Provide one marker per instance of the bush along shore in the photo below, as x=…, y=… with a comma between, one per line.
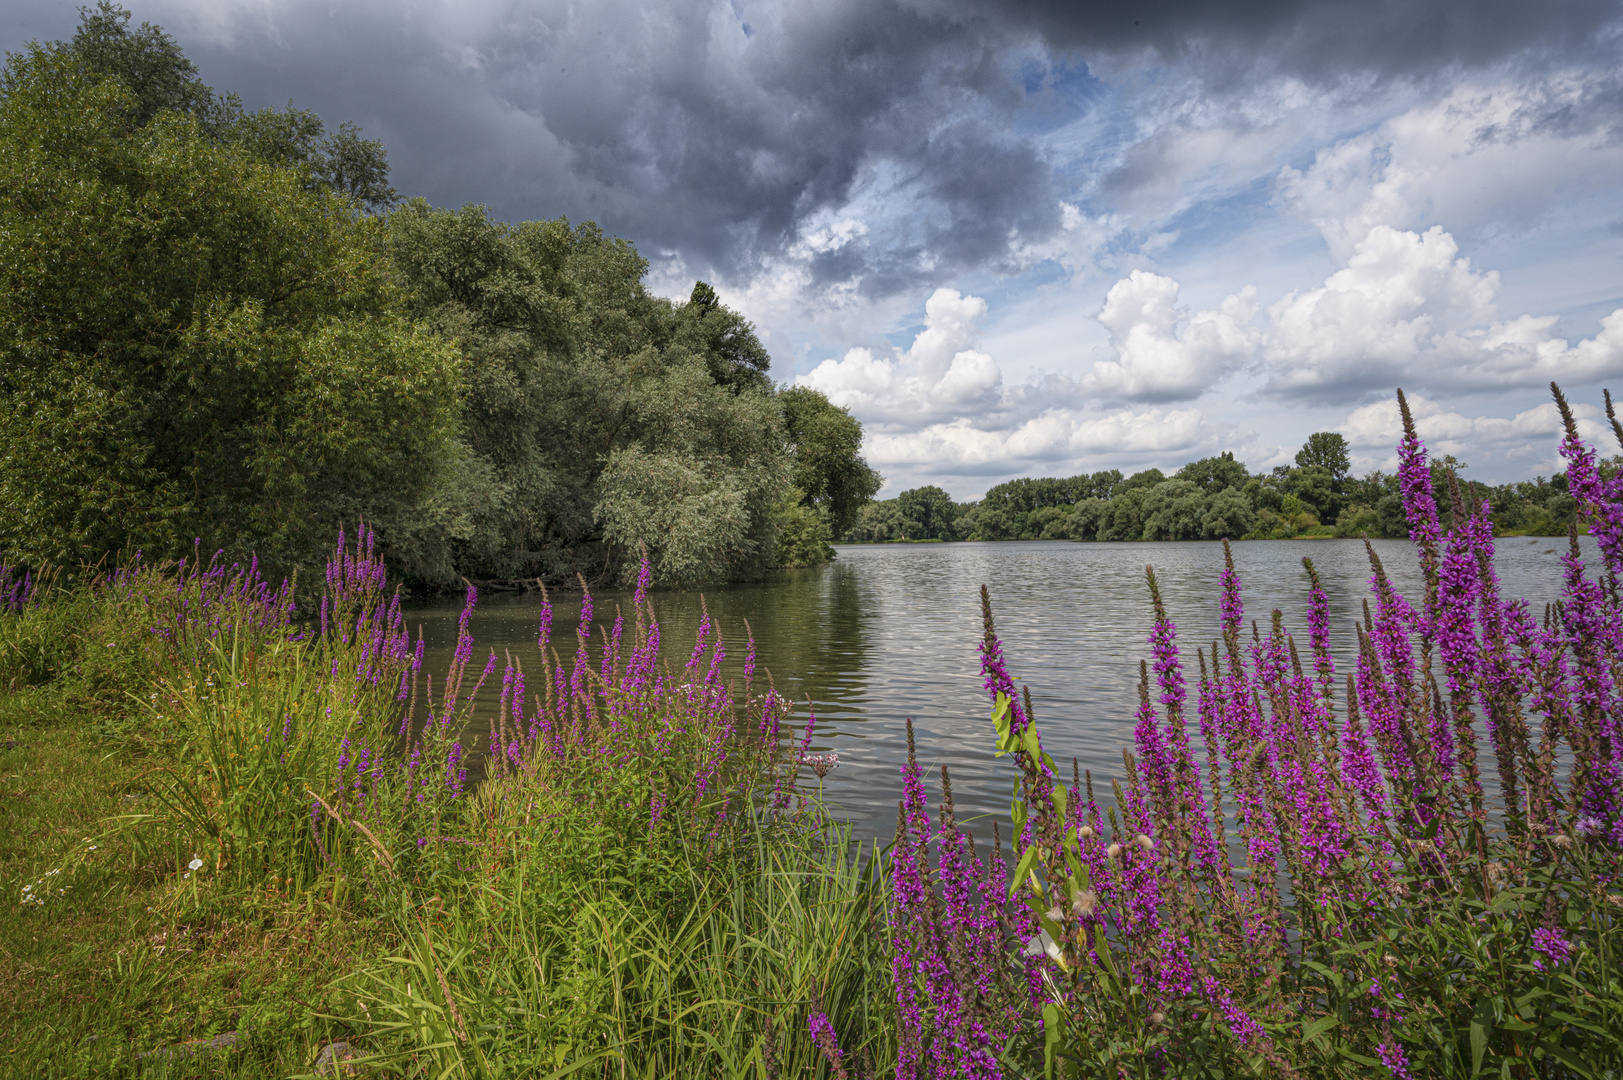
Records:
x=243, y=842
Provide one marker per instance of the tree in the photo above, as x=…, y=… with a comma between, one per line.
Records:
x=1085, y=519
x=1124, y=518
x=727, y=341
x=1327, y=450
x=151, y=66
x=1229, y=514
x=1315, y=486
x=602, y=417
x=928, y=513
x=877, y=522
x=829, y=470
x=1173, y=510
x=1146, y=479
x=1213, y=474
x=192, y=342
x=147, y=61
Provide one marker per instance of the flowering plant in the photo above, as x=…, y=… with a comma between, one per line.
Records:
x=1306, y=873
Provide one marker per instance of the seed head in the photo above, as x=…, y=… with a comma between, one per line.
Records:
x=1085, y=904
x=1114, y=851
x=1145, y=842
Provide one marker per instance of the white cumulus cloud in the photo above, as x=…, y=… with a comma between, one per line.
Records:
x=1408, y=308
x=1529, y=437
x=940, y=375
x=1162, y=352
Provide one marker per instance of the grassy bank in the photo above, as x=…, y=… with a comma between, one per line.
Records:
x=223, y=822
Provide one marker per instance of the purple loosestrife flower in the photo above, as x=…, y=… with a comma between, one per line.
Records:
x=822, y=1033
x=1230, y=608
x=1553, y=947
x=1419, y=504
x=699, y=641
x=910, y=897
x=1591, y=631
x=1318, y=628
x=1359, y=766
x=1246, y=1031
x=543, y=632
x=995, y=673
x=1391, y=1054
x=718, y=653
x=1600, y=499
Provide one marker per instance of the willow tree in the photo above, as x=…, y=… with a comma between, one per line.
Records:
x=599, y=419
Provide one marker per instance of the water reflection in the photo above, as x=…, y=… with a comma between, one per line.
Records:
x=888, y=632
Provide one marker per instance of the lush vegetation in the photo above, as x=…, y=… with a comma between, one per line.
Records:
x=1209, y=499
x=229, y=822
x=277, y=834
x=1306, y=872
x=223, y=324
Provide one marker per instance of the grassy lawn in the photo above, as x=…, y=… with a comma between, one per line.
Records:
x=123, y=957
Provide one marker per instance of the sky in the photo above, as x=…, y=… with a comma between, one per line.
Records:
x=1039, y=238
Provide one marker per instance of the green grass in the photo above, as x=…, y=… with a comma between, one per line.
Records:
x=127, y=958
x=540, y=924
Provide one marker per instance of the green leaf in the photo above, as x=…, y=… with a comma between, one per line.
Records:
x=1570, y=1060
x=1034, y=749
x=1318, y=1027
x=1061, y=797
x=1481, y=1031
x=1023, y=868
x=1051, y=1036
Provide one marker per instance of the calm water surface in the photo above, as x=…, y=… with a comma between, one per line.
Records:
x=888, y=632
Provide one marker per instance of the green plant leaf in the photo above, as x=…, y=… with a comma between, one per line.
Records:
x=1318, y=1027
x=1481, y=1031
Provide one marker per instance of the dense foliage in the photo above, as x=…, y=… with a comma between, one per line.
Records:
x=1209, y=499
x=612, y=867
x=222, y=324
x=193, y=342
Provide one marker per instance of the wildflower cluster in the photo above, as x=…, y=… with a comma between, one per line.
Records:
x=1293, y=880
x=16, y=589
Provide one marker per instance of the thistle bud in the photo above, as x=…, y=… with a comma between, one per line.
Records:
x=1145, y=842
x=1114, y=851
x=1086, y=833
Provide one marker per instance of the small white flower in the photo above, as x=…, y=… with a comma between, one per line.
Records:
x=195, y=864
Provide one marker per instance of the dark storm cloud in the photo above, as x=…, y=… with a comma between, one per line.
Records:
x=722, y=132
x=1321, y=39
x=714, y=132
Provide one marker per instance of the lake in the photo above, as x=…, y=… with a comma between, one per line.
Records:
x=890, y=631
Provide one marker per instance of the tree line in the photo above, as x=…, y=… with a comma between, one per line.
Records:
x=224, y=326
x=1207, y=499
